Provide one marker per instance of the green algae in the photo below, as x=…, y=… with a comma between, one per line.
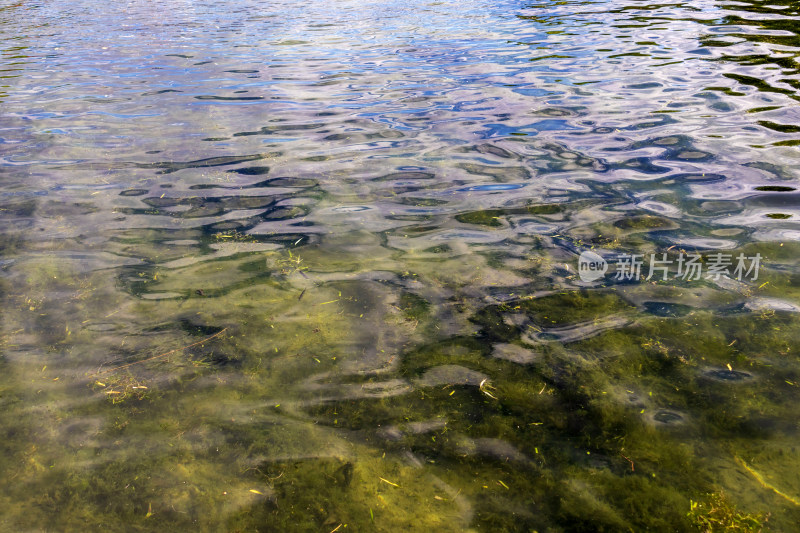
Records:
x=413, y=306
x=616, y=429
x=570, y=307
x=717, y=513
x=547, y=209
x=485, y=218
x=644, y=222
x=388, y=380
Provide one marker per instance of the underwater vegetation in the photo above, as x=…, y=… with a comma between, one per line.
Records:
x=578, y=410
x=315, y=267
x=717, y=514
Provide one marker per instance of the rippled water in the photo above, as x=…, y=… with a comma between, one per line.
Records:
x=273, y=266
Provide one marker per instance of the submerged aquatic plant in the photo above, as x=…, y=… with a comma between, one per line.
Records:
x=717, y=513
x=120, y=387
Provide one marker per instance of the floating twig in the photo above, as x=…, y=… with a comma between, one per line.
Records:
x=631, y=462
x=483, y=388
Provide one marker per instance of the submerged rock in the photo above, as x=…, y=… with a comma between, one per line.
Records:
x=451, y=375
x=774, y=304
x=667, y=309
x=666, y=417
x=489, y=447
x=727, y=375
x=514, y=353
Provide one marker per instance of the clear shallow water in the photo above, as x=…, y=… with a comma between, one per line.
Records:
x=280, y=267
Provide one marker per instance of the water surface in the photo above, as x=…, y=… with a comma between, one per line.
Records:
x=280, y=266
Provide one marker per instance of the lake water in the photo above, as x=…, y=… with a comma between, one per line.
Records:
x=314, y=266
